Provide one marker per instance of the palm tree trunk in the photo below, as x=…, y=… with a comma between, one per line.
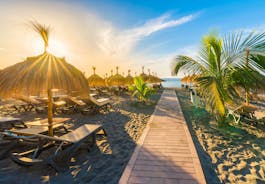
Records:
x=246, y=88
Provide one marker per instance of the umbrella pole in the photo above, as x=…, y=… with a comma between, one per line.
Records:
x=50, y=112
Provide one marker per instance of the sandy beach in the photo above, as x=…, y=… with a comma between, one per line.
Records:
x=234, y=156
x=124, y=124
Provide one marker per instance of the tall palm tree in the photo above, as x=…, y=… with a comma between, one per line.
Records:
x=218, y=61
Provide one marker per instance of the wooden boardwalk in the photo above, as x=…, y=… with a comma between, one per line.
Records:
x=165, y=152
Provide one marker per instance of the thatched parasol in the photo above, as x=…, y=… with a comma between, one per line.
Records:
x=95, y=80
x=191, y=79
x=153, y=78
x=184, y=79
x=42, y=72
x=107, y=80
x=117, y=79
x=129, y=78
x=143, y=75
x=158, y=80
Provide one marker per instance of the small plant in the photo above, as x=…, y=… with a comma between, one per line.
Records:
x=141, y=90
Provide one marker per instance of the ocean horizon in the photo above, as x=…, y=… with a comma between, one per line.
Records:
x=171, y=82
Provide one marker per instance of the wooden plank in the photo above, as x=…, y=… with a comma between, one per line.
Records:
x=165, y=153
x=44, y=122
x=8, y=119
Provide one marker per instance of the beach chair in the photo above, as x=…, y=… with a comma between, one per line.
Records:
x=235, y=113
x=11, y=122
x=18, y=105
x=59, y=106
x=13, y=137
x=66, y=146
x=31, y=103
x=96, y=105
x=73, y=105
x=102, y=92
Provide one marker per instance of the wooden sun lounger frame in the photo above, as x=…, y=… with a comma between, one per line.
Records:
x=31, y=103
x=11, y=138
x=75, y=105
x=13, y=122
x=67, y=145
x=97, y=104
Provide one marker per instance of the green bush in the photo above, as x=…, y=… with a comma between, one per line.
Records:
x=141, y=90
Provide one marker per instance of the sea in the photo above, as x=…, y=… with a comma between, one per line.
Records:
x=171, y=82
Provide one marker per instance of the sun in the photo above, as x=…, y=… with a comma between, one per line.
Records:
x=55, y=47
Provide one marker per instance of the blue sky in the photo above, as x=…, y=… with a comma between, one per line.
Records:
x=224, y=16
x=134, y=33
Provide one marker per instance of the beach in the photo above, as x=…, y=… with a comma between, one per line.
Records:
x=235, y=155
x=124, y=124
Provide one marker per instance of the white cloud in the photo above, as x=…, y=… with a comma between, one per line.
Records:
x=121, y=42
x=246, y=30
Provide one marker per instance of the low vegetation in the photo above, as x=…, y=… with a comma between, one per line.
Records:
x=141, y=90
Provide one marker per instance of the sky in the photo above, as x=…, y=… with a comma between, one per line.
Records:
x=125, y=33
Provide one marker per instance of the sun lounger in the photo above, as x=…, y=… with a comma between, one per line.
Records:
x=18, y=106
x=15, y=136
x=92, y=94
x=73, y=105
x=7, y=121
x=233, y=112
x=87, y=106
x=59, y=105
x=66, y=146
x=31, y=103
x=97, y=104
x=100, y=101
x=44, y=122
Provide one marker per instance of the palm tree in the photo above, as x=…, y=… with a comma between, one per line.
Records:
x=217, y=65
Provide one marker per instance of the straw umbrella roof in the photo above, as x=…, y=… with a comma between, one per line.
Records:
x=158, y=80
x=45, y=71
x=143, y=75
x=190, y=78
x=117, y=79
x=107, y=80
x=184, y=79
x=153, y=78
x=95, y=80
x=129, y=78
x=32, y=76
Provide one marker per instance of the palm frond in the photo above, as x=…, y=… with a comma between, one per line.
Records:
x=235, y=45
x=185, y=62
x=213, y=94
